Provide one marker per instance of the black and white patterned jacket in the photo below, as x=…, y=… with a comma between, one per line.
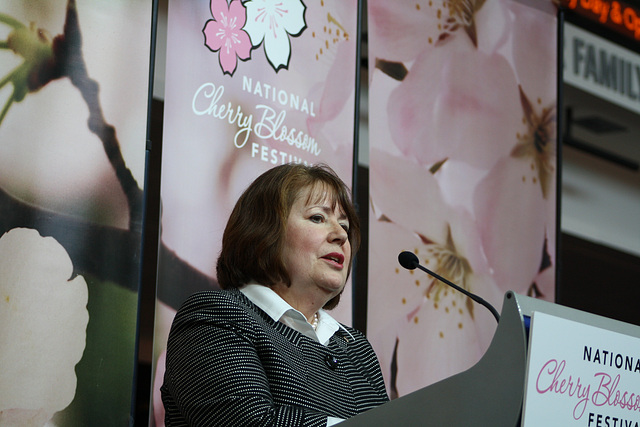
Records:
x=229, y=364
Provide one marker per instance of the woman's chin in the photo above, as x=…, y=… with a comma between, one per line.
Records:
x=333, y=288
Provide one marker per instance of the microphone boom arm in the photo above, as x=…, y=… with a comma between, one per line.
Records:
x=410, y=261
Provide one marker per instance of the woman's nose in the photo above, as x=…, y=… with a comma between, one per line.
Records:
x=338, y=233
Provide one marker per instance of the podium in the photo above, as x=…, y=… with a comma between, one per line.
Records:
x=490, y=393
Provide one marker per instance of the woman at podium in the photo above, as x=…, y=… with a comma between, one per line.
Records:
x=264, y=351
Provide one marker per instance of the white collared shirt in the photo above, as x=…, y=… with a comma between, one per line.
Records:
x=281, y=311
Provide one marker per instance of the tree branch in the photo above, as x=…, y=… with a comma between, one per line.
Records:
x=108, y=253
x=68, y=61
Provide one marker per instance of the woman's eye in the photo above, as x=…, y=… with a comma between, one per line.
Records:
x=345, y=227
x=317, y=218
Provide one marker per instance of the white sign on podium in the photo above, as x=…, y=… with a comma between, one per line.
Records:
x=580, y=375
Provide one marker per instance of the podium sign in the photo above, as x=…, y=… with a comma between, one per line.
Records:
x=578, y=369
x=580, y=375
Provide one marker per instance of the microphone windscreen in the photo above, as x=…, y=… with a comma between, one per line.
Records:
x=408, y=260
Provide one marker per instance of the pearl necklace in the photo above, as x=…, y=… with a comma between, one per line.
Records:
x=314, y=321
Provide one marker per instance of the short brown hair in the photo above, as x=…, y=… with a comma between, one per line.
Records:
x=253, y=239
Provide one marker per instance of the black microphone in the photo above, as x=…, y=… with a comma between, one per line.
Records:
x=409, y=260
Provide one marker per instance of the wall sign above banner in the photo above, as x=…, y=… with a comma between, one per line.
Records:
x=601, y=68
x=616, y=15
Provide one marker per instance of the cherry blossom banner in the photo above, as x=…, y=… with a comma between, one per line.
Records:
x=463, y=121
x=249, y=85
x=73, y=111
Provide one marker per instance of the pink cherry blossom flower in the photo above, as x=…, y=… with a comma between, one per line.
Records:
x=332, y=49
x=488, y=109
x=400, y=31
x=271, y=22
x=456, y=102
x=469, y=132
x=412, y=316
x=224, y=33
x=515, y=203
x=533, y=52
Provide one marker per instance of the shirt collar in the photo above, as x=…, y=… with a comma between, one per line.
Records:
x=281, y=311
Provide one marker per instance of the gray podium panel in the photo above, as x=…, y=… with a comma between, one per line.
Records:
x=491, y=392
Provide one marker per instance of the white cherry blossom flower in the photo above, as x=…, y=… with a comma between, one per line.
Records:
x=43, y=322
x=272, y=22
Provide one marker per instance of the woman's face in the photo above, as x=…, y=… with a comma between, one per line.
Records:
x=317, y=252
